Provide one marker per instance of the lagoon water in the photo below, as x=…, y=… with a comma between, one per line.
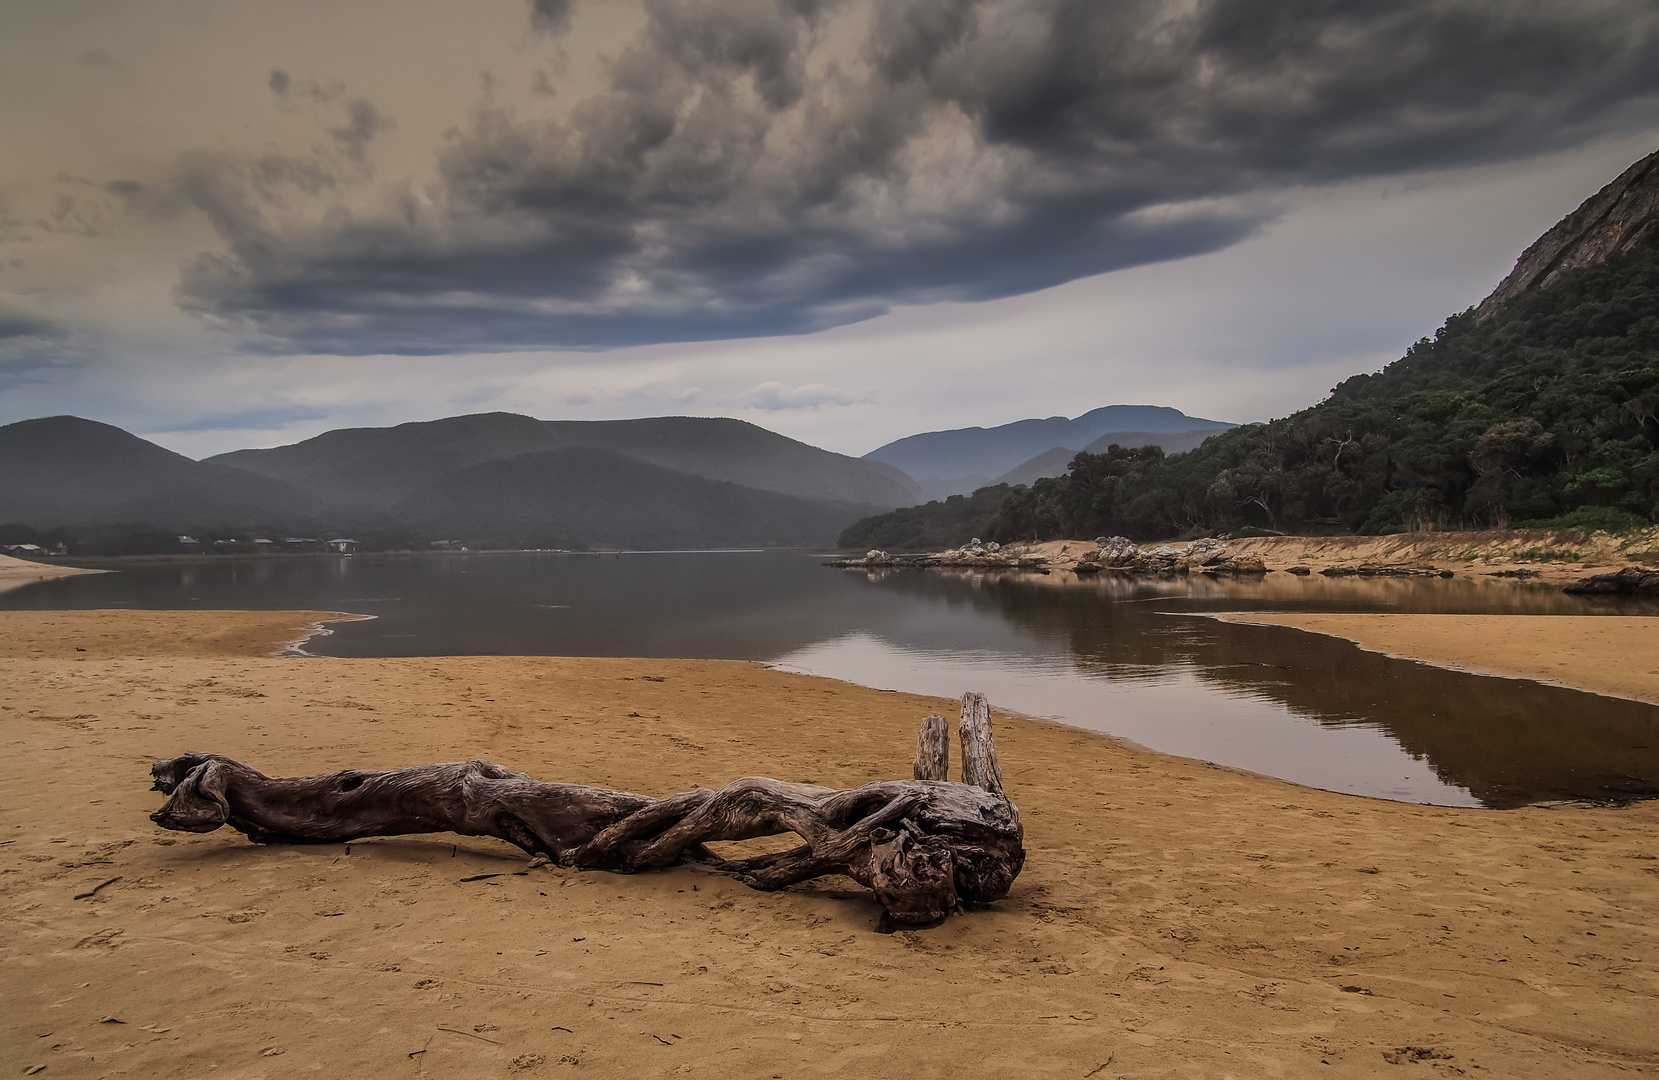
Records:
x=1138, y=660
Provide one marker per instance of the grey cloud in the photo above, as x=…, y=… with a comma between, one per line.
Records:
x=745, y=173
x=550, y=16
x=778, y=397
x=291, y=93
x=363, y=123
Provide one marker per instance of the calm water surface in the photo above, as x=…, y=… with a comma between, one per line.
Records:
x=1134, y=659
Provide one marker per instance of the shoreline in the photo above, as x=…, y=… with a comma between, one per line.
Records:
x=15, y=573
x=1546, y=557
x=296, y=647
x=1172, y=917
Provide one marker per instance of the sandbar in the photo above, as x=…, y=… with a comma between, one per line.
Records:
x=16, y=572
x=1174, y=918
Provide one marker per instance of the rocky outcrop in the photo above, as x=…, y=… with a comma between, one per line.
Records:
x=1621, y=216
x=1112, y=553
x=1631, y=581
x=1385, y=571
x=1115, y=550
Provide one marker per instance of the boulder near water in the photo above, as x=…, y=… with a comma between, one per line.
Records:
x=1631, y=581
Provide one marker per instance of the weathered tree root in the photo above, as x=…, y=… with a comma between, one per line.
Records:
x=925, y=846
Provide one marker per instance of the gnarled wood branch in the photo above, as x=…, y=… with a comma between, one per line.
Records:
x=924, y=846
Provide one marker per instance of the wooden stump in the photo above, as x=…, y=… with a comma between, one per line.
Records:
x=924, y=846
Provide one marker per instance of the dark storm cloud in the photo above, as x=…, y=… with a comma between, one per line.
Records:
x=740, y=176
x=16, y=325
x=550, y=16
x=29, y=345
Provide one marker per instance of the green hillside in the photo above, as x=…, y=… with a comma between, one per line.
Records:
x=932, y=526
x=1544, y=411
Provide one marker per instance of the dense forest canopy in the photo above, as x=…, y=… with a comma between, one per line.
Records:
x=932, y=526
x=1544, y=413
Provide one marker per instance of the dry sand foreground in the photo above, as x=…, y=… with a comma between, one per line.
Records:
x=1174, y=919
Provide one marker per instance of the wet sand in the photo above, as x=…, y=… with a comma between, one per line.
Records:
x=1604, y=654
x=1174, y=918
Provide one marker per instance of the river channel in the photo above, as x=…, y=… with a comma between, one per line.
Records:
x=1134, y=659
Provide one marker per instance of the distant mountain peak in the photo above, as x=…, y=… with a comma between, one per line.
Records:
x=961, y=459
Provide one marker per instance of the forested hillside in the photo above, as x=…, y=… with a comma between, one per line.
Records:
x=1538, y=408
x=1545, y=410
x=932, y=526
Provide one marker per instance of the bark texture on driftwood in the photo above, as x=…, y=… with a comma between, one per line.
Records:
x=933, y=749
x=924, y=846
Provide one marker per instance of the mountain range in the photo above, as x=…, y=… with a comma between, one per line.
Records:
x=380, y=467
x=961, y=460
x=62, y=470
x=494, y=479
x=505, y=480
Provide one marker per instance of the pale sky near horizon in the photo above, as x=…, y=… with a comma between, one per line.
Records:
x=228, y=225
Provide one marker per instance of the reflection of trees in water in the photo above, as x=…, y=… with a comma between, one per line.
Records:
x=1508, y=742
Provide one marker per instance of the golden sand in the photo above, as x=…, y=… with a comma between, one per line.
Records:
x=1173, y=919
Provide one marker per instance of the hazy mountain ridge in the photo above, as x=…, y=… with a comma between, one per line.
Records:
x=491, y=479
x=963, y=459
x=584, y=496
x=379, y=467
x=63, y=470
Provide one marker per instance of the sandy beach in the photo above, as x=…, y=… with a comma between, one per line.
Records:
x=1173, y=919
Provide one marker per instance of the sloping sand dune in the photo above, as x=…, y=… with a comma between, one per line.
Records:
x=1174, y=919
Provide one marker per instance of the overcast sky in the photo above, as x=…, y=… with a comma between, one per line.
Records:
x=228, y=225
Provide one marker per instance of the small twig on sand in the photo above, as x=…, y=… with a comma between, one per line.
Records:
x=468, y=1034
x=94, y=890
x=1097, y=1068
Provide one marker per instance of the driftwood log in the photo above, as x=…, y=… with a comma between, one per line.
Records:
x=924, y=846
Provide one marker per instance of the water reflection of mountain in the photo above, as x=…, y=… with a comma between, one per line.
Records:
x=1509, y=742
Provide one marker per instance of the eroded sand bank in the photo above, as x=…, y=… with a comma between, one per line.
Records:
x=1174, y=919
x=15, y=572
x=1604, y=654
